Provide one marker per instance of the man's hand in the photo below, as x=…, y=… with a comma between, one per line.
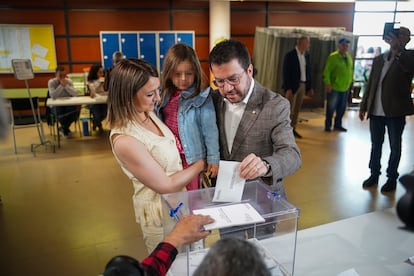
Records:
x=310, y=92
x=252, y=167
x=328, y=88
x=188, y=229
x=289, y=95
x=63, y=81
x=361, y=115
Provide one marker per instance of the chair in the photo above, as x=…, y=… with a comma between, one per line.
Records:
x=22, y=116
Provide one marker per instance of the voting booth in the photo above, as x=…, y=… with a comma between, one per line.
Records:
x=273, y=230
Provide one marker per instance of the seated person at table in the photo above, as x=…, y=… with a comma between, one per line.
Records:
x=60, y=87
x=96, y=88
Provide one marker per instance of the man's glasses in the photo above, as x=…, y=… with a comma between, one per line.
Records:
x=233, y=80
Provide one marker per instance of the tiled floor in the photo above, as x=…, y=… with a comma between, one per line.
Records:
x=67, y=213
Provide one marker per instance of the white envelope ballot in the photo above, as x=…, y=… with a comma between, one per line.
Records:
x=229, y=185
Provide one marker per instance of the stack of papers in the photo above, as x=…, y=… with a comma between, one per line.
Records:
x=230, y=215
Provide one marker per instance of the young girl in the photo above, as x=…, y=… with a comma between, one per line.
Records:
x=188, y=111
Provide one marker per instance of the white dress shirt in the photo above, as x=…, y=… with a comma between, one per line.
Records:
x=302, y=65
x=233, y=115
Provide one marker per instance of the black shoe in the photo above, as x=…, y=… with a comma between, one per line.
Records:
x=297, y=135
x=340, y=129
x=65, y=131
x=370, y=182
x=327, y=129
x=389, y=186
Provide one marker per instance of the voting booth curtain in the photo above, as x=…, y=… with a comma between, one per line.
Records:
x=272, y=43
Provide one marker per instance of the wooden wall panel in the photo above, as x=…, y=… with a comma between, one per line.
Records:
x=202, y=47
x=187, y=4
x=37, y=16
x=31, y=4
x=252, y=6
x=311, y=20
x=137, y=4
x=79, y=68
x=62, y=53
x=310, y=6
x=86, y=22
x=197, y=21
x=85, y=49
x=40, y=80
x=206, y=70
x=248, y=40
x=244, y=22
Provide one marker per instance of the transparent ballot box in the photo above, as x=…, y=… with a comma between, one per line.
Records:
x=275, y=237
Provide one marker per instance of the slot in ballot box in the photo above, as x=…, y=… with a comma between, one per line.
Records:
x=275, y=236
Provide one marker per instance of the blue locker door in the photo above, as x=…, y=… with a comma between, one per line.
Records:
x=129, y=43
x=187, y=38
x=166, y=40
x=109, y=45
x=147, y=48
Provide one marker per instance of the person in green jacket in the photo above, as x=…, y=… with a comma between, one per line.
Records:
x=338, y=77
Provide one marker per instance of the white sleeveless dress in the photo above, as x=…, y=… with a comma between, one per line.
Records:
x=147, y=203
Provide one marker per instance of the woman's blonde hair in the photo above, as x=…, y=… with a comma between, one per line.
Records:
x=127, y=78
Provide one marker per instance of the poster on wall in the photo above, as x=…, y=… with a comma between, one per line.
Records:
x=34, y=42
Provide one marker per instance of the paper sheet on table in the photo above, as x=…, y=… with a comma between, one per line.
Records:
x=410, y=260
x=229, y=185
x=349, y=272
x=230, y=215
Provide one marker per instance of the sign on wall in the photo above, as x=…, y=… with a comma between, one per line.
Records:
x=34, y=42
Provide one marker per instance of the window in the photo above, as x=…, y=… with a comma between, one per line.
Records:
x=369, y=20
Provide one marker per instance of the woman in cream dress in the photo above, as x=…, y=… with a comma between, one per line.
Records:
x=143, y=146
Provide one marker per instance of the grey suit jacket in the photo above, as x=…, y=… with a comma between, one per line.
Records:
x=396, y=86
x=265, y=131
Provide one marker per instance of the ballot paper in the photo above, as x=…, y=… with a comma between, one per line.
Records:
x=230, y=215
x=229, y=185
x=410, y=260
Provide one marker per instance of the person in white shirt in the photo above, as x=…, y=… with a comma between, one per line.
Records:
x=297, y=78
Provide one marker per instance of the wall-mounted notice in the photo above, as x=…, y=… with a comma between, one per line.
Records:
x=34, y=42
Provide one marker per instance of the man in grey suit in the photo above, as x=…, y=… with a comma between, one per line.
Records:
x=386, y=102
x=254, y=122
